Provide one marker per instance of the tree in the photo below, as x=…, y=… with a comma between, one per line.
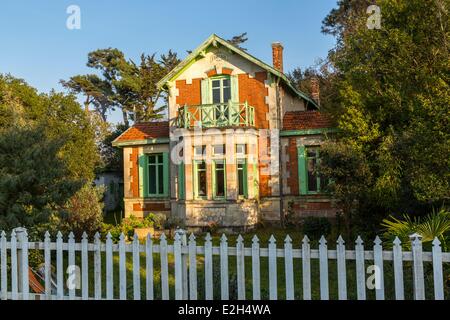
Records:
x=238, y=40
x=34, y=179
x=59, y=115
x=124, y=84
x=392, y=100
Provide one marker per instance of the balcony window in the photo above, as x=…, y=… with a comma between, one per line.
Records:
x=221, y=90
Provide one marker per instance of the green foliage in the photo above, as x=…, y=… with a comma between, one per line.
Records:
x=34, y=179
x=59, y=116
x=128, y=225
x=392, y=92
x=85, y=211
x=434, y=225
x=315, y=227
x=123, y=83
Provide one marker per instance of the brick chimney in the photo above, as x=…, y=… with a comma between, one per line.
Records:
x=315, y=90
x=277, y=56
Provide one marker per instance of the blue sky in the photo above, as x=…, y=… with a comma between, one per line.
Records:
x=37, y=46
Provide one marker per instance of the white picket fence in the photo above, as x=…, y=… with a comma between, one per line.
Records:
x=14, y=271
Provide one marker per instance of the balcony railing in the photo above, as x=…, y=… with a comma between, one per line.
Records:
x=216, y=115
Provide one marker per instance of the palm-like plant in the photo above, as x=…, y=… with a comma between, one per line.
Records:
x=435, y=225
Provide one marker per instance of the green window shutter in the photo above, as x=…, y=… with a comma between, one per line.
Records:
x=195, y=178
x=234, y=89
x=181, y=181
x=206, y=91
x=166, y=173
x=302, y=172
x=143, y=175
x=245, y=180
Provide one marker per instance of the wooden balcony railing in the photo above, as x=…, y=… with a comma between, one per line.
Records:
x=216, y=115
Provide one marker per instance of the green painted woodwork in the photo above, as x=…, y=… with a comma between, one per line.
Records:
x=181, y=181
x=195, y=179
x=206, y=91
x=216, y=115
x=287, y=133
x=140, y=142
x=143, y=175
x=245, y=176
x=214, y=179
x=166, y=180
x=302, y=170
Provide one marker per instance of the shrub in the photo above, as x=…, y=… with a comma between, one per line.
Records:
x=315, y=227
x=128, y=225
x=85, y=211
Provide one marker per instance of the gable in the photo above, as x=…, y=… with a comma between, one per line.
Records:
x=232, y=52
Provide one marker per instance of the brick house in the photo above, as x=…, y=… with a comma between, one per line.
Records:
x=240, y=144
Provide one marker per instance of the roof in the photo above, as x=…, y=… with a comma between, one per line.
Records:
x=215, y=40
x=143, y=132
x=299, y=120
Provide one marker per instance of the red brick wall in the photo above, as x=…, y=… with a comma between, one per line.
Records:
x=292, y=167
x=134, y=172
x=253, y=91
x=189, y=94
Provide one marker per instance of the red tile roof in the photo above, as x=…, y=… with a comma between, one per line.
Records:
x=298, y=120
x=145, y=130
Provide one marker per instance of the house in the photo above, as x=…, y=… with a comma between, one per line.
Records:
x=240, y=145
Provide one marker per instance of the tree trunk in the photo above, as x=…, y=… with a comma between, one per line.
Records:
x=125, y=118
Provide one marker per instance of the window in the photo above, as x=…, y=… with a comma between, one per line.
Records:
x=242, y=177
x=221, y=90
x=155, y=174
x=241, y=149
x=219, y=179
x=308, y=160
x=200, y=182
x=199, y=151
x=218, y=149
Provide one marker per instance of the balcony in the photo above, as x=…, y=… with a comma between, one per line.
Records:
x=216, y=115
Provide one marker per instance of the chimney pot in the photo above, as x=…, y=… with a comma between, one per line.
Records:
x=277, y=56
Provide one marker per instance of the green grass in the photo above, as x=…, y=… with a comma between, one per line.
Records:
x=263, y=235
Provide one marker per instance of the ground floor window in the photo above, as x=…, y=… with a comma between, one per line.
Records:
x=242, y=177
x=219, y=183
x=200, y=182
x=309, y=177
x=154, y=175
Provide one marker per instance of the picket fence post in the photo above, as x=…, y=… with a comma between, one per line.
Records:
x=84, y=267
x=59, y=267
x=136, y=269
x=149, y=295
x=224, y=280
x=256, y=280
x=164, y=267
x=240, y=268
x=47, y=266
x=360, y=270
x=398, y=269
x=4, y=269
x=378, y=260
x=192, y=268
x=437, y=270
x=14, y=269
x=178, y=267
x=208, y=268
x=273, y=288
x=71, y=265
x=418, y=278
x=122, y=268
x=323, y=262
x=109, y=268
x=341, y=267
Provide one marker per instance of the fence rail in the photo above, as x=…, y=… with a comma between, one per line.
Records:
x=179, y=277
